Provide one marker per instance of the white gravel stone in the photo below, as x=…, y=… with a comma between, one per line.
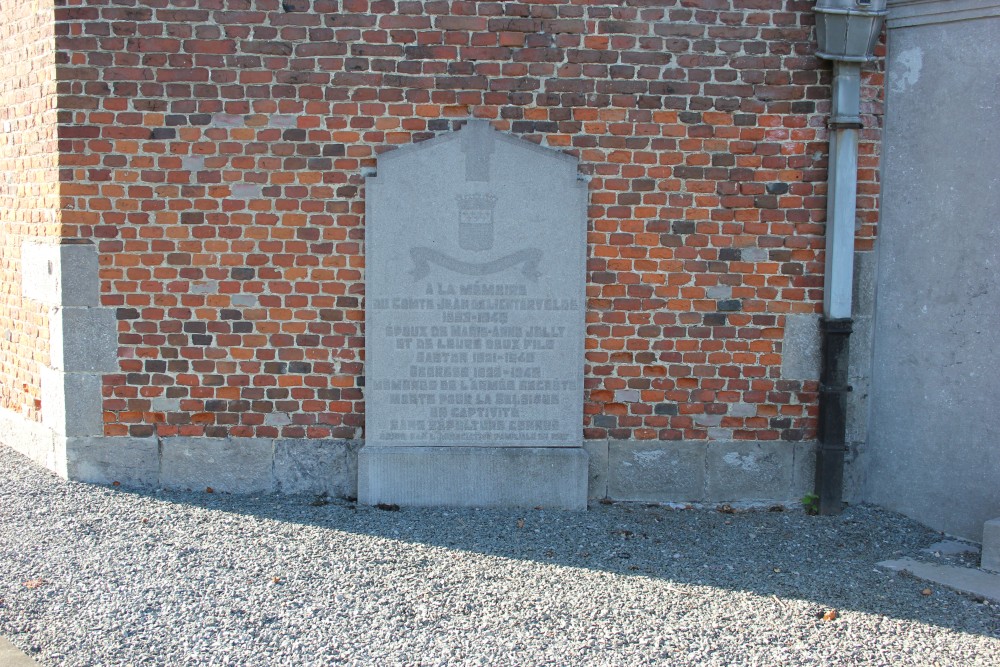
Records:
x=212, y=579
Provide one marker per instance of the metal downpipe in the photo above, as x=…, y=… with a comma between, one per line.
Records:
x=845, y=124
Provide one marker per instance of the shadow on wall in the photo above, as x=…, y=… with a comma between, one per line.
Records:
x=829, y=561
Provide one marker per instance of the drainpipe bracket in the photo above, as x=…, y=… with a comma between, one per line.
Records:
x=845, y=123
x=837, y=324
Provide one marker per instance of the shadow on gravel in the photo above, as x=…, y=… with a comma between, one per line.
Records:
x=826, y=561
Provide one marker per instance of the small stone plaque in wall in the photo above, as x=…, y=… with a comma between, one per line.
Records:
x=475, y=270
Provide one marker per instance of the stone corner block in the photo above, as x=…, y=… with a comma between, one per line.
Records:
x=552, y=477
x=749, y=470
x=800, y=348
x=72, y=402
x=990, y=559
x=656, y=471
x=316, y=466
x=60, y=274
x=597, y=482
x=228, y=465
x=132, y=462
x=32, y=439
x=83, y=340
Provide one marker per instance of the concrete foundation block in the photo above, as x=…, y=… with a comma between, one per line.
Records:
x=71, y=403
x=60, y=275
x=83, y=340
x=656, y=471
x=316, y=466
x=132, y=462
x=747, y=471
x=597, y=481
x=550, y=477
x=229, y=465
x=990, y=559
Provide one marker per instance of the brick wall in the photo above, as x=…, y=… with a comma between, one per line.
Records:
x=214, y=150
x=29, y=190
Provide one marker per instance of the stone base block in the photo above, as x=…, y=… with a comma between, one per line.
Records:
x=597, y=486
x=656, y=471
x=132, y=462
x=228, y=465
x=474, y=476
x=991, y=546
x=318, y=467
x=718, y=471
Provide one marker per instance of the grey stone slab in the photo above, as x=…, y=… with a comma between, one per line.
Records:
x=164, y=404
x=204, y=287
x=60, y=274
x=991, y=545
x=656, y=471
x=719, y=433
x=193, y=162
x=283, y=120
x=83, y=340
x=719, y=292
x=627, y=396
x=551, y=477
x=742, y=410
x=246, y=190
x=933, y=451
x=800, y=348
x=316, y=466
x=244, y=300
x=864, y=283
x=597, y=484
x=277, y=419
x=132, y=462
x=952, y=548
x=964, y=579
x=803, y=469
x=748, y=470
x=230, y=465
x=11, y=656
x=228, y=120
x=707, y=420
x=475, y=274
x=859, y=376
x=72, y=402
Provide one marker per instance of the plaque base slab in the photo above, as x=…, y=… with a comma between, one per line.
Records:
x=550, y=477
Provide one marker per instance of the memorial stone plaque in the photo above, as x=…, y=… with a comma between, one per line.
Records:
x=474, y=323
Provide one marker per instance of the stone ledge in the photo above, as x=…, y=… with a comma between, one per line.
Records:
x=906, y=13
x=552, y=477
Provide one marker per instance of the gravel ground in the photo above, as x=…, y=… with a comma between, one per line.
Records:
x=98, y=576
